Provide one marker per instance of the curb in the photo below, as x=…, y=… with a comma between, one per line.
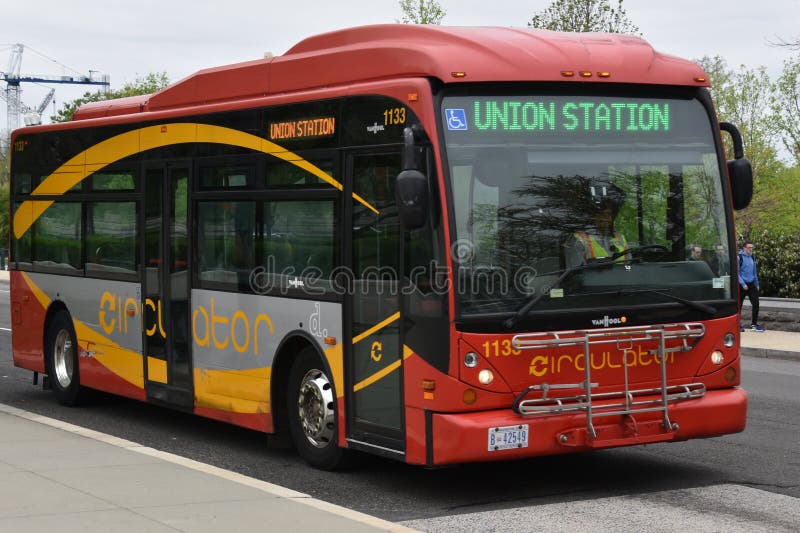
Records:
x=264, y=486
x=770, y=353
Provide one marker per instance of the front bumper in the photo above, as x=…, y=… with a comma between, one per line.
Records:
x=460, y=438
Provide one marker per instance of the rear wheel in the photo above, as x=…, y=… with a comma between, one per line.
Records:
x=311, y=404
x=61, y=351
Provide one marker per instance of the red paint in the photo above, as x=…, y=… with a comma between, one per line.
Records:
x=27, y=323
x=463, y=437
x=96, y=376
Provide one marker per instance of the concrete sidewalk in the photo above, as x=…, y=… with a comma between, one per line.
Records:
x=58, y=477
x=773, y=344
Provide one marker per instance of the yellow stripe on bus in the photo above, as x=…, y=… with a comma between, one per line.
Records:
x=156, y=369
x=133, y=142
x=237, y=391
x=376, y=327
x=380, y=374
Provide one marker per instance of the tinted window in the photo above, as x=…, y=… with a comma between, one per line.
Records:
x=113, y=181
x=284, y=174
x=299, y=237
x=111, y=237
x=57, y=237
x=226, y=242
x=226, y=177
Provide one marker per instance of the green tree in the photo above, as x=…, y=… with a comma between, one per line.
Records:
x=744, y=97
x=4, y=214
x=786, y=107
x=584, y=16
x=4, y=197
x=148, y=84
x=4, y=163
x=421, y=12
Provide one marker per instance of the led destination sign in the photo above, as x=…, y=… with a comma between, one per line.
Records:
x=303, y=128
x=575, y=115
x=566, y=115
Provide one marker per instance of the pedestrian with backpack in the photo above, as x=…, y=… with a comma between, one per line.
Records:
x=748, y=283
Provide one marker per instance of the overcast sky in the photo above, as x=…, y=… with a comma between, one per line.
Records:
x=130, y=39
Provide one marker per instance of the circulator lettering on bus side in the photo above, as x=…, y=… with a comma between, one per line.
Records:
x=240, y=331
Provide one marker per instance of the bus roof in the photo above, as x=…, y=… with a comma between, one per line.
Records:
x=450, y=54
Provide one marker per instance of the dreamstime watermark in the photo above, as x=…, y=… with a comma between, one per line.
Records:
x=431, y=279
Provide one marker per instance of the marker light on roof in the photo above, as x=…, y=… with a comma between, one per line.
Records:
x=567, y=73
x=585, y=74
x=603, y=74
x=459, y=74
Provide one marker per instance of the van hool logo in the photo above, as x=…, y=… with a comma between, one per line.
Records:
x=607, y=321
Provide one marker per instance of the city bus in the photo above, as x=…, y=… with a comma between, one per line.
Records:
x=372, y=243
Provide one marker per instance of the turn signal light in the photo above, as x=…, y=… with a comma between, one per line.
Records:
x=730, y=374
x=428, y=384
x=469, y=396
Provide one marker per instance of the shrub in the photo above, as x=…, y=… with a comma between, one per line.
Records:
x=778, y=259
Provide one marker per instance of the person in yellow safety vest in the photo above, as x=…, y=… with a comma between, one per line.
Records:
x=600, y=240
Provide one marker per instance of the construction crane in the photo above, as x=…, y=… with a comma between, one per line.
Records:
x=13, y=79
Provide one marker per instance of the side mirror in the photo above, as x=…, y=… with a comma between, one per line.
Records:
x=412, y=198
x=739, y=170
x=741, y=174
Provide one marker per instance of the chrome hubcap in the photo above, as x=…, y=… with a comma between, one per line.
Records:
x=63, y=358
x=316, y=408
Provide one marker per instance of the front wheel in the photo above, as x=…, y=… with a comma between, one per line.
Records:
x=61, y=352
x=312, y=412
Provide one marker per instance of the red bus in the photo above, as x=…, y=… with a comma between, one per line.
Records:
x=435, y=244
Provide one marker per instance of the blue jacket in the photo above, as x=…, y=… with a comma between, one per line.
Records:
x=747, y=269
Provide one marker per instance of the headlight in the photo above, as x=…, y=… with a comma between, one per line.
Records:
x=485, y=376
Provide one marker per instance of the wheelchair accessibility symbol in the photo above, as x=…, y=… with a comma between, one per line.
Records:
x=456, y=119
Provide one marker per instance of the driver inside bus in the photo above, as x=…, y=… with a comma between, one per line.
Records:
x=603, y=201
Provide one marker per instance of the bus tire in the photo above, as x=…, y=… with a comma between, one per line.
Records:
x=311, y=406
x=61, y=358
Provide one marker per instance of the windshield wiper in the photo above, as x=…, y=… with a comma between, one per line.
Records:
x=697, y=306
x=604, y=262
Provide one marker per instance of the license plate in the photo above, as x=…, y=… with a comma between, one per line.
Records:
x=508, y=437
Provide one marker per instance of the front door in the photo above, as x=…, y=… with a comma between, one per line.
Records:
x=168, y=369
x=375, y=371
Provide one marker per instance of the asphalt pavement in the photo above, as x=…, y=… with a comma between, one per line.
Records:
x=55, y=475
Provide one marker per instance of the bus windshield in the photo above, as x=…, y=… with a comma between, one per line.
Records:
x=545, y=185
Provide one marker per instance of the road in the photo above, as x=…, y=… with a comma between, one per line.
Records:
x=744, y=482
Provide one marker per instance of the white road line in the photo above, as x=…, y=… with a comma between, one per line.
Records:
x=5, y=329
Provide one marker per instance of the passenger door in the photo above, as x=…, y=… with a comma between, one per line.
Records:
x=375, y=358
x=167, y=361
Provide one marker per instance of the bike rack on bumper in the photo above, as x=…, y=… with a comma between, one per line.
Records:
x=631, y=401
